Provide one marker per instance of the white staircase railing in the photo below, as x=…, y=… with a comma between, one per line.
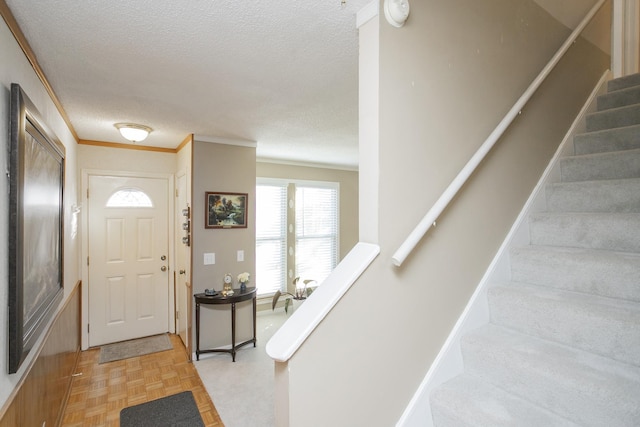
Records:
x=432, y=215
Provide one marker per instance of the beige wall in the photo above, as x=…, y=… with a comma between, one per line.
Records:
x=15, y=68
x=348, y=181
x=107, y=158
x=446, y=79
x=571, y=12
x=224, y=168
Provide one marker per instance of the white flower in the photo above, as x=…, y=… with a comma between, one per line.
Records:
x=243, y=277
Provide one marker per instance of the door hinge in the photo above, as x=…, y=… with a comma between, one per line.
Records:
x=177, y=315
x=87, y=193
x=176, y=192
x=87, y=328
x=87, y=260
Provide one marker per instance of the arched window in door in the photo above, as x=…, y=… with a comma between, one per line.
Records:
x=129, y=198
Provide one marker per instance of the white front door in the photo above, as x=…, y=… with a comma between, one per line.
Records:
x=128, y=258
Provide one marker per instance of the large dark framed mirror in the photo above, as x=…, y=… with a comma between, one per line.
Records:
x=36, y=218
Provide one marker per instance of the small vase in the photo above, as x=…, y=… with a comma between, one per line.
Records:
x=243, y=287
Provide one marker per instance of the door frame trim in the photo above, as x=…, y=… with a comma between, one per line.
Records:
x=177, y=231
x=84, y=253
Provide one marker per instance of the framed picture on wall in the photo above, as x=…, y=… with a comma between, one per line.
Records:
x=36, y=215
x=225, y=210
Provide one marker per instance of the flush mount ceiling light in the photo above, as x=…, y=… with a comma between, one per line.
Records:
x=133, y=132
x=396, y=12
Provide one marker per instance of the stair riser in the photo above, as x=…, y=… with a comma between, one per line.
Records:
x=594, y=196
x=615, y=118
x=626, y=138
x=609, y=331
x=581, y=395
x=623, y=82
x=619, y=232
x=616, y=165
x=618, y=99
x=608, y=274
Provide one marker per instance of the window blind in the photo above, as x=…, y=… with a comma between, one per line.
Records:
x=316, y=231
x=271, y=244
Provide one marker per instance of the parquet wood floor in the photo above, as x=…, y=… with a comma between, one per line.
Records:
x=101, y=391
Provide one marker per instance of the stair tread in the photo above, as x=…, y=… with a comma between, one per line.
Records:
x=623, y=82
x=616, y=139
x=605, y=154
x=606, y=273
x=587, y=214
x=619, y=98
x=581, y=386
x=601, y=325
x=601, y=166
x=595, y=304
x=619, y=195
x=595, y=230
x=597, y=182
x=613, y=118
x=466, y=400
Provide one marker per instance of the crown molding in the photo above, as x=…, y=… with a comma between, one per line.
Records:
x=226, y=141
x=306, y=164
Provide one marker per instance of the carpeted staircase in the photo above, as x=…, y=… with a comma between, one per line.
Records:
x=563, y=344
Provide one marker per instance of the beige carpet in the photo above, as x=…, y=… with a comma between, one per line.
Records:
x=243, y=391
x=133, y=348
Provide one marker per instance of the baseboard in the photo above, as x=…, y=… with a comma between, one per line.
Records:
x=448, y=362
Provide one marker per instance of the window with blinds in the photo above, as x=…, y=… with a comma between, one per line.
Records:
x=271, y=237
x=316, y=237
x=316, y=231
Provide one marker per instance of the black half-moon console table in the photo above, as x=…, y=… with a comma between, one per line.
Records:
x=249, y=294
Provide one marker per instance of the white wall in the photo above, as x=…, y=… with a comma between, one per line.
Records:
x=15, y=68
x=369, y=80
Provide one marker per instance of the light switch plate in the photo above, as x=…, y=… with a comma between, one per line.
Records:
x=209, y=259
x=240, y=256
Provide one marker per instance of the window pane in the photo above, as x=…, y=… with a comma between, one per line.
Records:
x=316, y=231
x=271, y=223
x=269, y=259
x=315, y=257
x=129, y=198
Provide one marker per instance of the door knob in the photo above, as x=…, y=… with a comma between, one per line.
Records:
x=163, y=257
x=163, y=268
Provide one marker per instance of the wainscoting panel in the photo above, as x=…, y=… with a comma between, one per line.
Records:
x=42, y=394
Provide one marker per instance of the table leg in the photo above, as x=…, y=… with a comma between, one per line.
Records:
x=197, y=331
x=254, y=321
x=233, y=331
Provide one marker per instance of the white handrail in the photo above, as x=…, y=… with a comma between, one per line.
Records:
x=423, y=226
x=286, y=340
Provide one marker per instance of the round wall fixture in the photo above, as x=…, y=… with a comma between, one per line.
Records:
x=396, y=12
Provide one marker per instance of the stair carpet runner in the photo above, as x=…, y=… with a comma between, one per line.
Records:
x=563, y=344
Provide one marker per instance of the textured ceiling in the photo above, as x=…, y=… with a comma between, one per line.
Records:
x=281, y=73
